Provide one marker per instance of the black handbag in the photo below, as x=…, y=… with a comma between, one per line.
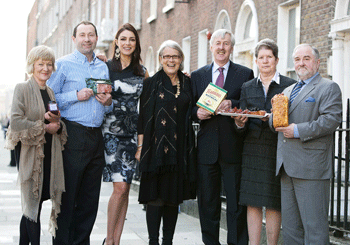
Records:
x=17, y=153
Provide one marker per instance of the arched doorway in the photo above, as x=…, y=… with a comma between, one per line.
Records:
x=246, y=35
x=340, y=34
x=223, y=21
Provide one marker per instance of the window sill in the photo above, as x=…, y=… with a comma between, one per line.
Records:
x=168, y=8
x=151, y=18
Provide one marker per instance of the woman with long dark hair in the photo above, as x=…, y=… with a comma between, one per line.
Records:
x=120, y=126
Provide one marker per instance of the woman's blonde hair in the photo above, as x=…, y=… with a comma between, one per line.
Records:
x=40, y=52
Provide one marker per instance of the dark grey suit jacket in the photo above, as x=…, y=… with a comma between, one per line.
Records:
x=317, y=112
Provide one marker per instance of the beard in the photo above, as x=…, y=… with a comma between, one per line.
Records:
x=303, y=73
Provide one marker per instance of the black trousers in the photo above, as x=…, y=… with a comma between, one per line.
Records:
x=83, y=159
x=209, y=203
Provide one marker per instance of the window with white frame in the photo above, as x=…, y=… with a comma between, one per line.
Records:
x=55, y=15
x=85, y=15
x=186, y=49
x=107, y=8
x=62, y=12
x=67, y=38
x=100, y=44
x=138, y=11
x=99, y=14
x=248, y=30
x=202, y=48
x=126, y=11
x=107, y=34
x=60, y=47
x=153, y=11
x=39, y=30
x=40, y=5
x=288, y=35
x=116, y=16
x=170, y=4
x=149, y=62
x=93, y=12
x=64, y=7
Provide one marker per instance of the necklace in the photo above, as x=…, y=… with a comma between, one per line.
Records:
x=178, y=89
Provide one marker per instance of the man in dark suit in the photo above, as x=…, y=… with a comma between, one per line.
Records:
x=219, y=147
x=305, y=149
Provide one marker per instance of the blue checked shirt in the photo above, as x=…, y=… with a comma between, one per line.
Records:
x=69, y=78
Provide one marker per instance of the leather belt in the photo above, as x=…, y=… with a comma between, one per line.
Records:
x=79, y=125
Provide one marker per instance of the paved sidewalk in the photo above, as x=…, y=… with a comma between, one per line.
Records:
x=135, y=230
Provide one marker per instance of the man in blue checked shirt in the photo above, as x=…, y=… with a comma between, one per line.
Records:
x=83, y=156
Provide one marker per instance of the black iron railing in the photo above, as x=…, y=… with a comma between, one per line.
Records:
x=339, y=203
x=339, y=199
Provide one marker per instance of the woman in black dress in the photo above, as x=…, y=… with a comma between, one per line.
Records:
x=119, y=127
x=259, y=185
x=166, y=137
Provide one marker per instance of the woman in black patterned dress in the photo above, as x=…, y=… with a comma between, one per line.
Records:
x=259, y=185
x=120, y=126
x=167, y=156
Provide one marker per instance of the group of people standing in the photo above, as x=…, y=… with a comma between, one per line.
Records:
x=64, y=154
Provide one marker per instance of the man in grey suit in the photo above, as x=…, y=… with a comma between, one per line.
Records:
x=305, y=149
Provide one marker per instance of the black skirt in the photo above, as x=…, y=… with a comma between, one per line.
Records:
x=260, y=187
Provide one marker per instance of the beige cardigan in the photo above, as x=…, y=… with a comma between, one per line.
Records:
x=27, y=125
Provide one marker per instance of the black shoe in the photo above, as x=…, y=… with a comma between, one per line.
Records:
x=104, y=241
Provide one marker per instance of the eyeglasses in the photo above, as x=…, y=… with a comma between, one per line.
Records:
x=168, y=57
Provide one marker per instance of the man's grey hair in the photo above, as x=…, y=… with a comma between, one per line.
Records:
x=315, y=51
x=221, y=33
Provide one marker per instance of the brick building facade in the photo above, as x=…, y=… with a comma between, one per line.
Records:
x=323, y=23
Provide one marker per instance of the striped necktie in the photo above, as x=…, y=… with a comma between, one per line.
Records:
x=296, y=91
x=220, y=79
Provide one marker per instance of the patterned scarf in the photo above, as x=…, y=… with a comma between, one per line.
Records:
x=158, y=108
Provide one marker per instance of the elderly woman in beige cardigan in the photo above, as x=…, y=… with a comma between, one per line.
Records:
x=41, y=135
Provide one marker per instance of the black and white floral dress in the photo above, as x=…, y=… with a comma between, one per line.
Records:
x=120, y=126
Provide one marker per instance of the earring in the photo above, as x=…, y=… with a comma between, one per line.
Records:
x=117, y=53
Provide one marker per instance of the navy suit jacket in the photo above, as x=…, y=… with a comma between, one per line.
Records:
x=217, y=134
